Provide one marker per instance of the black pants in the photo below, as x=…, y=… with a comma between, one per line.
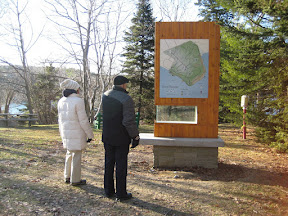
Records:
x=115, y=155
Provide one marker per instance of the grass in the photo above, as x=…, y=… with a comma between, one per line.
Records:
x=251, y=179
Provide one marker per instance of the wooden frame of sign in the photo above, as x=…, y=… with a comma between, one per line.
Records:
x=207, y=108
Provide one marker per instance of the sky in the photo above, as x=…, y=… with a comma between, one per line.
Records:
x=45, y=48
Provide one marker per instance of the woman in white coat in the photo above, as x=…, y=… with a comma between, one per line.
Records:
x=75, y=130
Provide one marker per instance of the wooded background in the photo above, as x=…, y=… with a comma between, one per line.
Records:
x=253, y=56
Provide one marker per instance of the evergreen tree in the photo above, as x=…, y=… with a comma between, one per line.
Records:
x=254, y=55
x=46, y=93
x=139, y=59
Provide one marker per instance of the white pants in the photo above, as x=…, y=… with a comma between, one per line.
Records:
x=73, y=166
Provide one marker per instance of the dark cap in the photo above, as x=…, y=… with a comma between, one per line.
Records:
x=119, y=80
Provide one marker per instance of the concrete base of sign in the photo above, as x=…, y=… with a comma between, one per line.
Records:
x=172, y=152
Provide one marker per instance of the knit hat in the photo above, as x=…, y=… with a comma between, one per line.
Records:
x=69, y=84
x=119, y=80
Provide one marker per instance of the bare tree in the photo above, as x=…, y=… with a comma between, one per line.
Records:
x=74, y=20
x=17, y=22
x=106, y=40
x=174, y=10
x=3, y=7
x=90, y=31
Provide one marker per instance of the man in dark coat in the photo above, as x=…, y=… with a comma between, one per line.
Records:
x=119, y=129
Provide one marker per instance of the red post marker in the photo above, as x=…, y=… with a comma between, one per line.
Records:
x=244, y=123
x=244, y=104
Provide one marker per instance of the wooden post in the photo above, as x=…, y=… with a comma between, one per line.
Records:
x=244, y=123
x=244, y=104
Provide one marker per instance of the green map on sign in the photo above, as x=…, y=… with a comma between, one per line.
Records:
x=188, y=64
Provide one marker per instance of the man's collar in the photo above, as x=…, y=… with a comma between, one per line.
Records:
x=118, y=88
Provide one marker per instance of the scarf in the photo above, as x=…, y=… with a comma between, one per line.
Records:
x=68, y=92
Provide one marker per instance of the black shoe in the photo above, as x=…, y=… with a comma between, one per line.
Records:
x=82, y=182
x=110, y=195
x=126, y=197
x=67, y=180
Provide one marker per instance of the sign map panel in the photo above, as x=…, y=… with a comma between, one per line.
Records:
x=184, y=68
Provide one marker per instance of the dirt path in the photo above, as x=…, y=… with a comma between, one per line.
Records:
x=251, y=180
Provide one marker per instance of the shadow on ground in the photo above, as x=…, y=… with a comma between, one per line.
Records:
x=231, y=172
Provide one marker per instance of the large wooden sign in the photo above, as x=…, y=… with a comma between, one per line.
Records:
x=187, y=63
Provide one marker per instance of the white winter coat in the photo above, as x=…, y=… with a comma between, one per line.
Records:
x=74, y=126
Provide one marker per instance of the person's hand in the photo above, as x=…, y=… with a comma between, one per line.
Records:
x=135, y=142
x=89, y=140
